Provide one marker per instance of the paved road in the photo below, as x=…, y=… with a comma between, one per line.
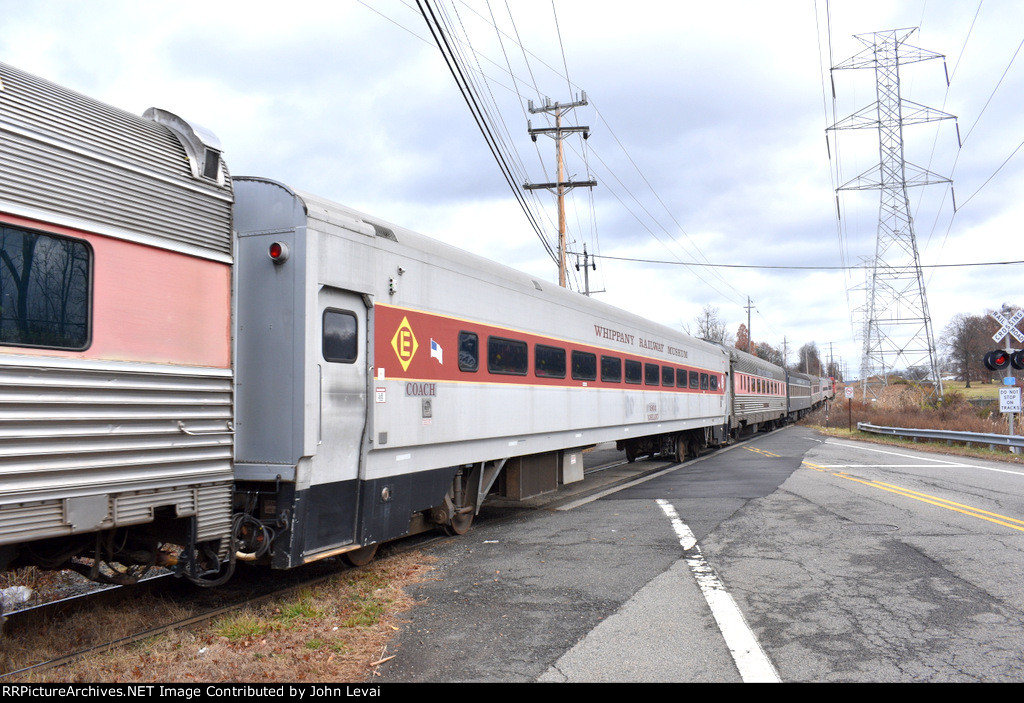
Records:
x=837, y=577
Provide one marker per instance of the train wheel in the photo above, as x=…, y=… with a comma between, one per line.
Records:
x=630, y=453
x=460, y=523
x=693, y=447
x=361, y=556
x=680, y=453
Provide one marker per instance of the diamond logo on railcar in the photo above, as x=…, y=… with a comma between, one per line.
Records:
x=404, y=343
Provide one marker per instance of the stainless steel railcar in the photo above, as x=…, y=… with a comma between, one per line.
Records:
x=387, y=382
x=799, y=391
x=116, y=384
x=759, y=393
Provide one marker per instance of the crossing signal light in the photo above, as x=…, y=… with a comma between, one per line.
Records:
x=999, y=359
x=996, y=360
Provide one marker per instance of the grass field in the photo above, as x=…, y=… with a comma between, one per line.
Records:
x=988, y=391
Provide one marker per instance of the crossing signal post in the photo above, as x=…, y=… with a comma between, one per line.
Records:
x=999, y=359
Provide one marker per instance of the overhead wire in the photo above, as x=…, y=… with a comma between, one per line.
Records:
x=739, y=298
x=447, y=52
x=1013, y=153
x=770, y=267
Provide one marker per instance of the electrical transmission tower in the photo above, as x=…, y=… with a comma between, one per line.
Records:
x=898, y=328
x=561, y=186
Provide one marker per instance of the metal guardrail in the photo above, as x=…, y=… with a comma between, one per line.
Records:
x=992, y=440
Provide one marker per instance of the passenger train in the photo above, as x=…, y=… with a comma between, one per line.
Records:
x=250, y=372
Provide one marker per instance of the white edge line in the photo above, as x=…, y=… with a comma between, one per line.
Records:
x=944, y=463
x=753, y=664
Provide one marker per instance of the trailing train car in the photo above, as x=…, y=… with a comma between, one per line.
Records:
x=387, y=382
x=116, y=386
x=758, y=391
x=798, y=387
x=821, y=389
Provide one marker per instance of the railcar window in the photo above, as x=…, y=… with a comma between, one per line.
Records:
x=634, y=371
x=694, y=380
x=611, y=369
x=651, y=375
x=507, y=356
x=668, y=376
x=584, y=366
x=341, y=336
x=681, y=378
x=548, y=362
x=714, y=382
x=44, y=290
x=469, y=352
x=703, y=381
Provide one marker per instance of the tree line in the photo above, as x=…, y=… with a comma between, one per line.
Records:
x=966, y=340
x=710, y=326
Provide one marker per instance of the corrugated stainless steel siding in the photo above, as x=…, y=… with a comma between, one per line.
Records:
x=65, y=153
x=70, y=429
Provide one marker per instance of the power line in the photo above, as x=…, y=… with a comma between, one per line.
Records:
x=764, y=267
x=451, y=59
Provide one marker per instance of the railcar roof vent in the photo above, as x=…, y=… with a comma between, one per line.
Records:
x=201, y=145
x=385, y=232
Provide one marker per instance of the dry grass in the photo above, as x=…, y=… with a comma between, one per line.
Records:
x=910, y=406
x=334, y=632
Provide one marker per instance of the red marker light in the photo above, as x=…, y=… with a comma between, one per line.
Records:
x=996, y=360
x=278, y=252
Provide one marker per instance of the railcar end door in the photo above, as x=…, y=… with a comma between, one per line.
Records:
x=341, y=375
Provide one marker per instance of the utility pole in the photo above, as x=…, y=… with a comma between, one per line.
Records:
x=561, y=186
x=898, y=326
x=750, y=337
x=587, y=265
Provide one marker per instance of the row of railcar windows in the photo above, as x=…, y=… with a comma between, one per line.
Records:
x=758, y=385
x=512, y=357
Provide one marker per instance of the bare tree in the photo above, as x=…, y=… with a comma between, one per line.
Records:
x=809, y=360
x=966, y=340
x=709, y=326
x=765, y=351
x=834, y=371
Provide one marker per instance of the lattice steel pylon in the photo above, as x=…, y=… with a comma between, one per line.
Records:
x=898, y=328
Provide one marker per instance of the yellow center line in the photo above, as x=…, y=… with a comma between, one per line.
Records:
x=996, y=518
x=761, y=451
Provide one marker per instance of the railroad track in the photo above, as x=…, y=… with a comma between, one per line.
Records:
x=50, y=635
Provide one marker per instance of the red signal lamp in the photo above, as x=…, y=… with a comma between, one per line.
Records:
x=278, y=252
x=996, y=360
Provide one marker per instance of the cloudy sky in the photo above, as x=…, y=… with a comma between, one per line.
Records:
x=707, y=124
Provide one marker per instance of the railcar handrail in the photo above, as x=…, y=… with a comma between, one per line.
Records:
x=1003, y=440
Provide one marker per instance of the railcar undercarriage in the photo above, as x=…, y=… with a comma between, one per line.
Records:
x=124, y=555
x=677, y=446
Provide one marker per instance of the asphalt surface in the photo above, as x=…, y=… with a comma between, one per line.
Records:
x=844, y=561
x=554, y=591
